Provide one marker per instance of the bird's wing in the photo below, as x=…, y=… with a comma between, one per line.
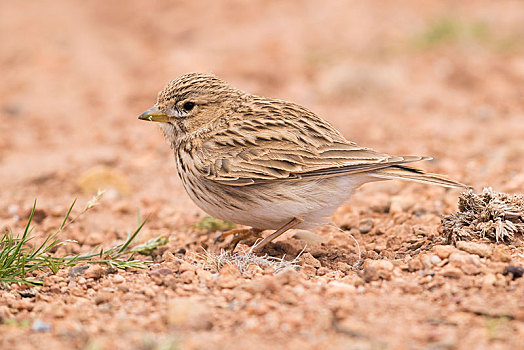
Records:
x=251, y=151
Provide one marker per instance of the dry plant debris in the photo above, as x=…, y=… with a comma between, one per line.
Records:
x=496, y=216
x=243, y=260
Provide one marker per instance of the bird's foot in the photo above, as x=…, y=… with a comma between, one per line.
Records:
x=238, y=234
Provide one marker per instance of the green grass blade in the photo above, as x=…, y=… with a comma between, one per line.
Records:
x=132, y=237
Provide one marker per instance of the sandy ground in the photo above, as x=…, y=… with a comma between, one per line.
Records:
x=411, y=77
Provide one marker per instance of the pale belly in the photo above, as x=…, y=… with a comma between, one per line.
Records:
x=272, y=205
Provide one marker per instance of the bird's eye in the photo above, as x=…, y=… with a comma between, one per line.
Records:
x=188, y=106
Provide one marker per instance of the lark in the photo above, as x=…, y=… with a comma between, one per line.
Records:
x=266, y=163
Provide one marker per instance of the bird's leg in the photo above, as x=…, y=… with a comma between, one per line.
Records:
x=294, y=222
x=238, y=234
x=243, y=235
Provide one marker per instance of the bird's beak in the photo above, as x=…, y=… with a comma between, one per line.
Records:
x=154, y=114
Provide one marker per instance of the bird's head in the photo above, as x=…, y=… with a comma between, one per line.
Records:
x=190, y=102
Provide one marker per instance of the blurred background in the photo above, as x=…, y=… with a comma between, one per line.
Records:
x=408, y=77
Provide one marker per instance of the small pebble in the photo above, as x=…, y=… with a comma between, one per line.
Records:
x=118, y=279
x=28, y=293
x=185, y=266
x=451, y=272
x=41, y=326
x=516, y=271
x=187, y=276
x=377, y=269
x=308, y=259
x=501, y=253
x=443, y=251
x=365, y=226
x=311, y=238
x=77, y=271
x=94, y=272
x=489, y=280
x=482, y=250
x=189, y=313
x=162, y=272
x=435, y=260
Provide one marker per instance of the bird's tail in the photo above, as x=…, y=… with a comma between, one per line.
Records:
x=407, y=173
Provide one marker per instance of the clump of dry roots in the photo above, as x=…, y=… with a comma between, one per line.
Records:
x=496, y=216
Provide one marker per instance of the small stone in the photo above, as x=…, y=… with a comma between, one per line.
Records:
x=308, y=271
x=458, y=259
x=415, y=264
x=344, y=267
x=77, y=292
x=435, y=260
x=189, y=313
x=482, y=250
x=161, y=272
x=77, y=271
x=451, y=272
x=380, y=206
x=28, y=293
x=377, y=269
x=230, y=270
x=94, y=272
x=118, y=279
x=4, y=312
x=148, y=292
x=111, y=270
x=253, y=270
x=379, y=248
x=288, y=276
x=185, y=266
x=254, y=287
x=443, y=251
x=308, y=259
x=168, y=256
x=102, y=298
x=322, y=271
x=171, y=262
x=370, y=273
x=23, y=304
x=410, y=287
x=264, y=285
x=470, y=269
x=336, y=288
x=385, y=268
x=38, y=215
x=123, y=288
x=515, y=271
x=365, y=226
x=426, y=261
x=187, y=276
x=309, y=237
x=204, y=275
x=228, y=282
x=489, y=280
x=41, y=326
x=501, y=253
x=400, y=204
x=104, y=177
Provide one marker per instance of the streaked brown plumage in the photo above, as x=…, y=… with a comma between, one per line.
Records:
x=266, y=163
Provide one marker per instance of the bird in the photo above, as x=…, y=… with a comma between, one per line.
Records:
x=266, y=163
